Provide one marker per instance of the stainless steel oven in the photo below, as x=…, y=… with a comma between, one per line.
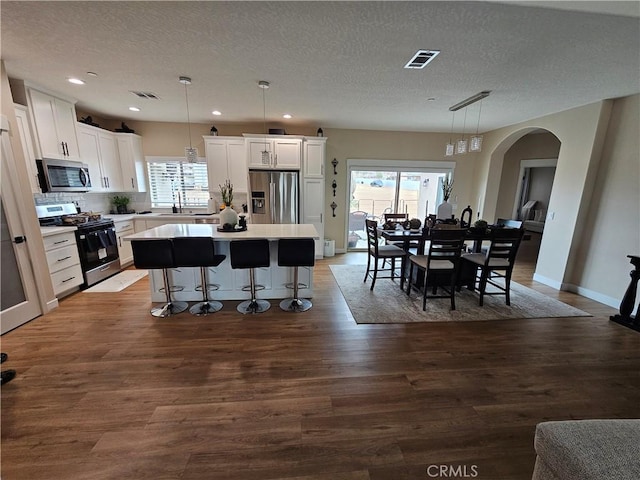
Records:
x=96, y=240
x=98, y=249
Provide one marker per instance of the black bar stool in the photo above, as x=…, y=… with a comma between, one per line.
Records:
x=156, y=254
x=199, y=252
x=251, y=254
x=296, y=252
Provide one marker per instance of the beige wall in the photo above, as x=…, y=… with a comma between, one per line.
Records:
x=612, y=225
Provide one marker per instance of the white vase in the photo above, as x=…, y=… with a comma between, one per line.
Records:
x=445, y=210
x=228, y=215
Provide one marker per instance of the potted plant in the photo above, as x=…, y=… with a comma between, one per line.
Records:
x=121, y=203
x=226, y=191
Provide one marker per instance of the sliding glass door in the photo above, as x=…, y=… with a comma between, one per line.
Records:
x=375, y=191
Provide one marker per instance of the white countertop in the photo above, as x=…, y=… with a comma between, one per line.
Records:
x=48, y=231
x=254, y=231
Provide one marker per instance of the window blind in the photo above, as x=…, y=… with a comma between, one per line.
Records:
x=178, y=182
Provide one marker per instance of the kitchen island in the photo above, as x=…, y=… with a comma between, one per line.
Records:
x=274, y=278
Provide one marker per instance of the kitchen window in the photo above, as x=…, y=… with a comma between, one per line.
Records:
x=175, y=182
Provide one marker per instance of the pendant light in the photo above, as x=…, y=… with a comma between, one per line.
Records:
x=475, y=143
x=190, y=152
x=266, y=156
x=461, y=145
x=449, y=149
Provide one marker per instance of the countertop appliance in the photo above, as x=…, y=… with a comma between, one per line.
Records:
x=274, y=196
x=95, y=238
x=63, y=176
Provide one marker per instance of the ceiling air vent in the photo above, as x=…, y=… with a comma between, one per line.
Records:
x=421, y=58
x=148, y=95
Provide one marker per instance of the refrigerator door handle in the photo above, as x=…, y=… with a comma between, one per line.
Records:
x=272, y=202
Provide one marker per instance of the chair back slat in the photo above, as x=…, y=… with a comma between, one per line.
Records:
x=372, y=235
x=446, y=244
x=504, y=243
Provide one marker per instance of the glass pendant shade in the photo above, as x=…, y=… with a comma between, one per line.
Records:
x=449, y=150
x=476, y=143
x=191, y=154
x=461, y=146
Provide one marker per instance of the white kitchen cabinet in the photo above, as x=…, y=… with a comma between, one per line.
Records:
x=124, y=228
x=284, y=153
x=226, y=159
x=26, y=139
x=131, y=162
x=313, y=208
x=313, y=157
x=54, y=121
x=99, y=150
x=63, y=261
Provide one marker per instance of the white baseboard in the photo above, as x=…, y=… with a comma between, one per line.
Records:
x=584, y=292
x=52, y=304
x=597, y=296
x=547, y=281
x=341, y=250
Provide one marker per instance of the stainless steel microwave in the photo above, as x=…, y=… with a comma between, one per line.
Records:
x=63, y=176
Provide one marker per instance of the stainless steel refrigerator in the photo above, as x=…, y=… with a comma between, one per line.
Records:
x=274, y=196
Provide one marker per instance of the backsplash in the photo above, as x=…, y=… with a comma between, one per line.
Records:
x=102, y=202
x=93, y=202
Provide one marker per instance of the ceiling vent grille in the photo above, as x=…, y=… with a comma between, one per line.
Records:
x=422, y=58
x=148, y=95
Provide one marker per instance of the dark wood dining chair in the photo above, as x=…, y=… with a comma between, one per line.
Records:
x=440, y=265
x=377, y=252
x=497, y=262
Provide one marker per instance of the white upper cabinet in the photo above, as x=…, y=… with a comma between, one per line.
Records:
x=131, y=161
x=54, y=122
x=24, y=130
x=99, y=150
x=314, y=153
x=282, y=153
x=226, y=160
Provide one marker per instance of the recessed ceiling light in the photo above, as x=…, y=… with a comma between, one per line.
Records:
x=76, y=81
x=431, y=99
x=134, y=109
x=92, y=74
x=286, y=115
x=216, y=112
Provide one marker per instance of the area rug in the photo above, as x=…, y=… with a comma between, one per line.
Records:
x=118, y=282
x=388, y=304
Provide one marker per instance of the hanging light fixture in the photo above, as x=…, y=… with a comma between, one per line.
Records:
x=461, y=145
x=450, y=147
x=266, y=156
x=190, y=152
x=475, y=143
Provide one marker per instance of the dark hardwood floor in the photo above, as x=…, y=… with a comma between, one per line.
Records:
x=105, y=391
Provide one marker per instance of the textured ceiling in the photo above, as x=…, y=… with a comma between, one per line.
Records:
x=330, y=64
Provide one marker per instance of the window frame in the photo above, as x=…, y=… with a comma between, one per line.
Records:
x=182, y=185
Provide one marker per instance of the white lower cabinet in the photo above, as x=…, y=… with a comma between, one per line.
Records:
x=125, y=251
x=64, y=262
x=313, y=209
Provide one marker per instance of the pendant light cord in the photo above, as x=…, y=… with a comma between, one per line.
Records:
x=186, y=96
x=464, y=123
x=264, y=118
x=479, y=113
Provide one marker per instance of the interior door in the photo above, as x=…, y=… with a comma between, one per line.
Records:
x=18, y=294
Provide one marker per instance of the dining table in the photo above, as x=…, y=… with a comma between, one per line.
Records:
x=406, y=237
